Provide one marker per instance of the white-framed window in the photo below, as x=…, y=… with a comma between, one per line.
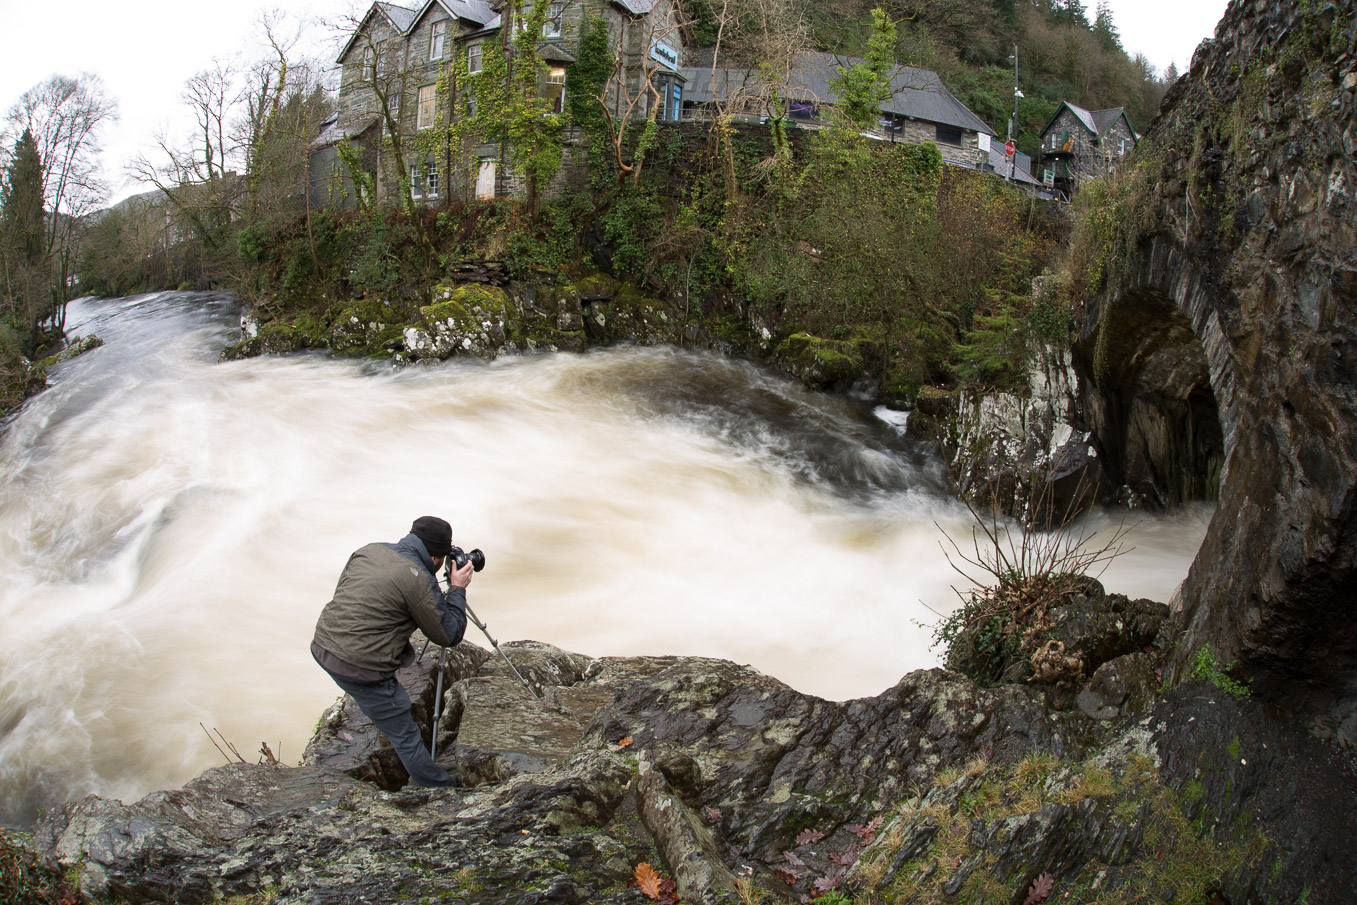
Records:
x=552, y=27
x=473, y=58
x=424, y=113
x=437, y=38
x=555, y=92
x=431, y=177
x=368, y=71
x=416, y=181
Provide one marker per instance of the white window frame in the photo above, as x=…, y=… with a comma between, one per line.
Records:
x=431, y=178
x=556, y=76
x=425, y=116
x=438, y=39
x=551, y=28
x=474, y=57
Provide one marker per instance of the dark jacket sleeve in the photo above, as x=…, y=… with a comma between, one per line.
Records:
x=453, y=610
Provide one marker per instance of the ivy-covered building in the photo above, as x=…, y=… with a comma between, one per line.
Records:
x=1078, y=144
x=407, y=89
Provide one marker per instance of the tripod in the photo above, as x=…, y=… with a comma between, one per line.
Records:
x=442, y=660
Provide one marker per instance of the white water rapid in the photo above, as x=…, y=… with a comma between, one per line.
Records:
x=170, y=528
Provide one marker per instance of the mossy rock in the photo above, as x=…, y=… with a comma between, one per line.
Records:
x=905, y=379
x=632, y=317
x=77, y=346
x=465, y=302
x=281, y=337
x=825, y=364
x=596, y=288
x=355, y=331
x=471, y=318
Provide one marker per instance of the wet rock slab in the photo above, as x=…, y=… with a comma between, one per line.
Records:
x=726, y=779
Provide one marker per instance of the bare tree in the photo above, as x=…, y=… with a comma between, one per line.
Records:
x=65, y=116
x=752, y=61
x=197, y=175
x=634, y=87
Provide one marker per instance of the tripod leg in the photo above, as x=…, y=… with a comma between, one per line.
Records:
x=437, y=705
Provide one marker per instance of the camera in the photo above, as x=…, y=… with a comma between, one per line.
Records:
x=460, y=558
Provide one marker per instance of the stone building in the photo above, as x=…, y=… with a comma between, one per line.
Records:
x=919, y=109
x=389, y=89
x=1077, y=144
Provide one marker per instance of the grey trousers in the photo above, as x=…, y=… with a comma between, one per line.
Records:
x=388, y=706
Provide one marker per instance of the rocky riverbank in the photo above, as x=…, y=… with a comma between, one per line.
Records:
x=1102, y=788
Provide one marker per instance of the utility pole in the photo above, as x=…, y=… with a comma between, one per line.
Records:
x=1013, y=123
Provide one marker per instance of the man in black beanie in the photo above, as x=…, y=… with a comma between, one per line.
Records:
x=363, y=635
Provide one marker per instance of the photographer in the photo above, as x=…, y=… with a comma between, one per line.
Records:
x=385, y=592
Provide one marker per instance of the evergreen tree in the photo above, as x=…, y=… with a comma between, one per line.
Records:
x=21, y=215
x=1069, y=12
x=864, y=88
x=1104, y=28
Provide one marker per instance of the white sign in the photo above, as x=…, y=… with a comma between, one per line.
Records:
x=1048, y=177
x=984, y=142
x=663, y=53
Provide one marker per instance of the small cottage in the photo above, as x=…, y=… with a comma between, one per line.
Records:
x=1078, y=144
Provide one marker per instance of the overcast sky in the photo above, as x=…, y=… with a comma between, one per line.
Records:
x=145, y=50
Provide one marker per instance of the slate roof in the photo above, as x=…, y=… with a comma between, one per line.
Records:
x=1001, y=164
x=331, y=133
x=915, y=93
x=1095, y=121
x=473, y=10
x=403, y=19
x=400, y=17
x=637, y=7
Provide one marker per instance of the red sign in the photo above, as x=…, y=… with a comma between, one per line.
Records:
x=1010, y=147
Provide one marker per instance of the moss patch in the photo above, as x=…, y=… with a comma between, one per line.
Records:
x=989, y=832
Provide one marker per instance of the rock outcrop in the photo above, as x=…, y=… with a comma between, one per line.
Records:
x=1226, y=344
x=738, y=786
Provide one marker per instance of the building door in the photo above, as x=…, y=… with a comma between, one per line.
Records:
x=485, y=180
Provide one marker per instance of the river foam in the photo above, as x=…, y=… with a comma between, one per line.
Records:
x=171, y=526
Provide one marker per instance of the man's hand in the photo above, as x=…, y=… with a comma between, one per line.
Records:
x=460, y=578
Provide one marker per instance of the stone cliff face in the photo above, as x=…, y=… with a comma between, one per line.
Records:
x=1224, y=348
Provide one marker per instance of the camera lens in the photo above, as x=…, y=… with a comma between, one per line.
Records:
x=460, y=558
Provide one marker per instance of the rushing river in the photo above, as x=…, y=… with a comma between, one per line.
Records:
x=171, y=526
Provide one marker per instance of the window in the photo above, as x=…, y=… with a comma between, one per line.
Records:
x=431, y=177
x=556, y=88
x=424, y=114
x=473, y=58
x=949, y=136
x=803, y=111
x=436, y=40
x=671, y=100
x=416, y=183
x=552, y=27
x=367, y=62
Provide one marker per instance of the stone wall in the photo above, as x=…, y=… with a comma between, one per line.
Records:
x=1237, y=270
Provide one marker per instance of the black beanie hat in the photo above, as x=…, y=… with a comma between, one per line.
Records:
x=435, y=533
